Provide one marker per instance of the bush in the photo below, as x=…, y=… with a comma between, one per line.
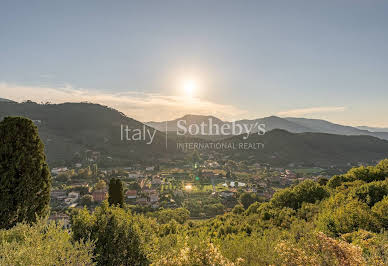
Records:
x=42, y=244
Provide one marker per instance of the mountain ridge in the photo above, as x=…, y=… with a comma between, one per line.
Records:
x=291, y=124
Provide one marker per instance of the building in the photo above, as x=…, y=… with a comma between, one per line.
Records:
x=58, y=170
x=142, y=201
x=99, y=195
x=150, y=168
x=134, y=175
x=131, y=194
x=226, y=194
x=60, y=218
x=74, y=195
x=58, y=194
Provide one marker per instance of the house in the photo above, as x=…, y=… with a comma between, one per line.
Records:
x=72, y=197
x=99, y=195
x=58, y=170
x=150, y=168
x=134, y=175
x=226, y=194
x=73, y=194
x=60, y=217
x=58, y=194
x=131, y=194
x=142, y=201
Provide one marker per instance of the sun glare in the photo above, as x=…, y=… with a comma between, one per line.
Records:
x=189, y=87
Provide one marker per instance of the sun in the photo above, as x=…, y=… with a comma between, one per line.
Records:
x=189, y=87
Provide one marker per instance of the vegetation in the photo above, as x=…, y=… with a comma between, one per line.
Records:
x=42, y=244
x=25, y=179
x=340, y=221
x=116, y=192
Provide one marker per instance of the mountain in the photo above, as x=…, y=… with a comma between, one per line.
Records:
x=374, y=129
x=271, y=122
x=320, y=149
x=189, y=120
x=6, y=100
x=291, y=124
x=69, y=130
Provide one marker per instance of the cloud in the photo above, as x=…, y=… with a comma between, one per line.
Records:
x=141, y=106
x=313, y=110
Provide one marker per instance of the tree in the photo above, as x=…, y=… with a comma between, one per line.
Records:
x=101, y=184
x=25, y=179
x=116, y=192
x=43, y=244
x=120, y=237
x=247, y=199
x=86, y=200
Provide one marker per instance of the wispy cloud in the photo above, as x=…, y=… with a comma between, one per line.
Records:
x=313, y=110
x=141, y=106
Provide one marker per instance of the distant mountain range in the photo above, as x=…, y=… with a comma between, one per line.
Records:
x=290, y=124
x=70, y=130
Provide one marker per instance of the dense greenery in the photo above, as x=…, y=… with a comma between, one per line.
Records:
x=120, y=237
x=42, y=244
x=339, y=222
x=25, y=179
x=307, y=224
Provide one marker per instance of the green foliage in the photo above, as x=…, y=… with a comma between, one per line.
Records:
x=42, y=244
x=371, y=193
x=307, y=191
x=180, y=215
x=247, y=199
x=25, y=179
x=120, y=237
x=341, y=215
x=101, y=184
x=86, y=200
x=116, y=192
x=381, y=210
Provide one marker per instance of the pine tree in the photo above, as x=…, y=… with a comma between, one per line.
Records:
x=25, y=179
x=116, y=192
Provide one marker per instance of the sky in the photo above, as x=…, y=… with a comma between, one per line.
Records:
x=159, y=60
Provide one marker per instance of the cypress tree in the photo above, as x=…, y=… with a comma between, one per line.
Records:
x=25, y=179
x=116, y=192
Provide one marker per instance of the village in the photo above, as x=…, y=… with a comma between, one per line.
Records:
x=205, y=187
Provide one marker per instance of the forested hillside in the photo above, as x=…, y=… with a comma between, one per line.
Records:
x=71, y=128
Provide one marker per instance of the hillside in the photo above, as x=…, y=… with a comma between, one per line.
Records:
x=70, y=129
x=282, y=147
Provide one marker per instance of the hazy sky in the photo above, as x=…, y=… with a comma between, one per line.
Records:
x=246, y=59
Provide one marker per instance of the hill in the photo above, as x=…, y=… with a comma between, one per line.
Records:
x=69, y=130
x=321, y=149
x=322, y=126
x=6, y=100
x=374, y=129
